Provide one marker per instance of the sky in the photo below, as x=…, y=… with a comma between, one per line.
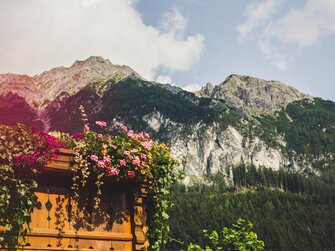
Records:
x=183, y=42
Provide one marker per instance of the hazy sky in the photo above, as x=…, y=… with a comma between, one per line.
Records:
x=185, y=42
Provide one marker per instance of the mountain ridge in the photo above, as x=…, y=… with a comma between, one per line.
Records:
x=243, y=119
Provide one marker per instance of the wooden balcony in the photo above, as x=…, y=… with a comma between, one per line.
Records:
x=57, y=224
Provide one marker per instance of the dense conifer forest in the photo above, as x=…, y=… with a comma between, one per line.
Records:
x=289, y=211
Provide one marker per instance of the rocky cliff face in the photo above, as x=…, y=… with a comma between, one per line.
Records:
x=219, y=126
x=253, y=96
x=206, y=148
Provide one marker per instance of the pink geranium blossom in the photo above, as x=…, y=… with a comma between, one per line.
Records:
x=124, y=128
x=101, y=123
x=78, y=135
x=106, y=159
x=143, y=156
x=146, y=145
x=136, y=162
x=100, y=136
x=112, y=171
x=131, y=174
x=123, y=162
x=101, y=164
x=94, y=158
x=131, y=134
x=127, y=153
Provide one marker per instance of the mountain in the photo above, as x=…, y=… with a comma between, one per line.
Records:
x=243, y=119
x=252, y=96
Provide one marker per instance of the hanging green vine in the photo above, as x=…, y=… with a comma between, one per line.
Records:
x=122, y=154
x=22, y=153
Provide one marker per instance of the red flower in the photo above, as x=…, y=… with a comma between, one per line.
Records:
x=77, y=135
x=131, y=174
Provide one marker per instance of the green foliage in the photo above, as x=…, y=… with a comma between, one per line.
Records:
x=239, y=237
x=132, y=99
x=122, y=154
x=159, y=209
x=307, y=127
x=22, y=152
x=284, y=220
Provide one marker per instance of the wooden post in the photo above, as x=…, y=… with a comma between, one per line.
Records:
x=140, y=217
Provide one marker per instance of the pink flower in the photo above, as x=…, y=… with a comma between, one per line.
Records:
x=86, y=128
x=136, y=162
x=127, y=153
x=124, y=128
x=139, y=136
x=54, y=156
x=131, y=134
x=106, y=159
x=147, y=136
x=131, y=174
x=123, y=162
x=101, y=164
x=77, y=135
x=143, y=156
x=94, y=158
x=100, y=136
x=101, y=123
x=146, y=145
x=112, y=171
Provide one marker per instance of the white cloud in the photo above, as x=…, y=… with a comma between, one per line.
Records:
x=37, y=35
x=192, y=87
x=306, y=26
x=173, y=22
x=279, y=37
x=165, y=79
x=271, y=53
x=257, y=13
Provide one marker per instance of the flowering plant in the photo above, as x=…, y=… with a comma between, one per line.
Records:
x=22, y=153
x=115, y=152
x=122, y=154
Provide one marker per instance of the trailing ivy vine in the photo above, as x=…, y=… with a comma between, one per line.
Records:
x=122, y=154
x=22, y=153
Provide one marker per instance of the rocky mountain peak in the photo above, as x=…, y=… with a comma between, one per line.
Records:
x=41, y=89
x=206, y=91
x=254, y=96
x=91, y=61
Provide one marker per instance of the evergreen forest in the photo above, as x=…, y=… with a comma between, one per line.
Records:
x=289, y=211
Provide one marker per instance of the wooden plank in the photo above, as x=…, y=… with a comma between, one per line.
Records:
x=82, y=235
x=67, y=151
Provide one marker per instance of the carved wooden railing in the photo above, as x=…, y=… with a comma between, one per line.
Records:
x=57, y=224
